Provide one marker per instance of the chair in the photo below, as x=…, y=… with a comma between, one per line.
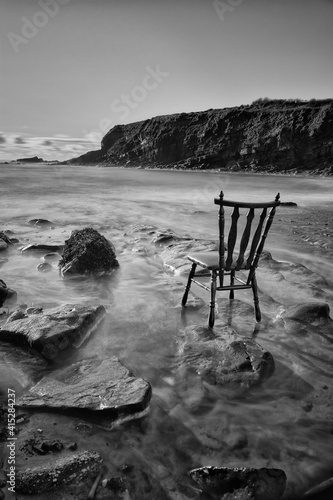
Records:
x=227, y=262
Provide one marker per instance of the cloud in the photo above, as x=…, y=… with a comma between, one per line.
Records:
x=58, y=147
x=19, y=140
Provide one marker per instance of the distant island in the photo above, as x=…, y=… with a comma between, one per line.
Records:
x=34, y=159
x=274, y=136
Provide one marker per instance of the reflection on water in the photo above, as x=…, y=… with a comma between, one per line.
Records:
x=284, y=423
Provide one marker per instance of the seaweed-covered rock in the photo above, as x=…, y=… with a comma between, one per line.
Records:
x=88, y=252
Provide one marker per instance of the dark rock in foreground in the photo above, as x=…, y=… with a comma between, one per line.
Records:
x=54, y=332
x=6, y=293
x=256, y=484
x=223, y=357
x=101, y=386
x=88, y=252
x=58, y=472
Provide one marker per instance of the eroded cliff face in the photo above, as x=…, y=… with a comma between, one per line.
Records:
x=270, y=136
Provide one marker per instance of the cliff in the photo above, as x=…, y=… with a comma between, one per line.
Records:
x=266, y=136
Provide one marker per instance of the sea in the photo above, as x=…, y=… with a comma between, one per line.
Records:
x=285, y=423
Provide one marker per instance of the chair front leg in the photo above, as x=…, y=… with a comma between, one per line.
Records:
x=189, y=283
x=232, y=282
x=211, y=320
x=255, y=298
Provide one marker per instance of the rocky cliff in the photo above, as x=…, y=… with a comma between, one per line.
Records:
x=267, y=135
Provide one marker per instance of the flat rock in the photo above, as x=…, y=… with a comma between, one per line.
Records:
x=88, y=252
x=56, y=473
x=54, y=332
x=39, y=247
x=102, y=386
x=263, y=483
x=223, y=357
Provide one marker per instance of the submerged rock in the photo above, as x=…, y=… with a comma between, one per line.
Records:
x=6, y=293
x=88, y=252
x=226, y=357
x=40, y=222
x=259, y=484
x=42, y=247
x=3, y=245
x=54, y=332
x=55, y=473
x=102, y=386
x=44, y=267
x=306, y=318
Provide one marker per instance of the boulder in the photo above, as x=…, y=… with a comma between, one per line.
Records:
x=104, y=387
x=88, y=252
x=56, y=473
x=262, y=484
x=20, y=367
x=223, y=357
x=6, y=293
x=44, y=267
x=5, y=238
x=54, y=332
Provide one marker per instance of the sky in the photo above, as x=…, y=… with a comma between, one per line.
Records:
x=72, y=69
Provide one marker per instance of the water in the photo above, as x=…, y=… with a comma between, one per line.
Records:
x=197, y=424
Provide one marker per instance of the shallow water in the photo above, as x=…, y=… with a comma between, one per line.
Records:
x=192, y=424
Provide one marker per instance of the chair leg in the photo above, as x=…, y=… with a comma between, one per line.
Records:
x=189, y=283
x=255, y=298
x=211, y=319
x=232, y=282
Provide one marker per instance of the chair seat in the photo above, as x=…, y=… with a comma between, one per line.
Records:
x=210, y=260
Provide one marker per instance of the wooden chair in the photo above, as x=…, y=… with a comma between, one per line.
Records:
x=226, y=262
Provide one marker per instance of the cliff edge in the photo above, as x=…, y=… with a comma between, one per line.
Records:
x=266, y=136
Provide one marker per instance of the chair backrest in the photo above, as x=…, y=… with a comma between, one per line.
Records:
x=263, y=224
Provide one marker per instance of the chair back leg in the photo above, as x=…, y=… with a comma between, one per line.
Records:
x=256, y=298
x=189, y=283
x=232, y=282
x=211, y=319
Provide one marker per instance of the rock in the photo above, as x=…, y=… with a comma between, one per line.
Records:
x=40, y=222
x=54, y=332
x=88, y=252
x=6, y=294
x=20, y=367
x=3, y=245
x=33, y=159
x=57, y=473
x=44, y=267
x=115, y=484
x=224, y=357
x=51, y=257
x=5, y=238
x=100, y=386
x=17, y=314
x=306, y=318
x=288, y=204
x=38, y=247
x=34, y=310
x=263, y=483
